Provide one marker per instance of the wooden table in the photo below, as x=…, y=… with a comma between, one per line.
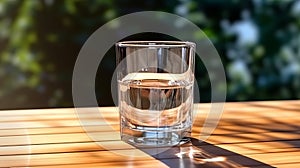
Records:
x=250, y=134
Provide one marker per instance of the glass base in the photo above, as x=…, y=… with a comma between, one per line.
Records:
x=155, y=138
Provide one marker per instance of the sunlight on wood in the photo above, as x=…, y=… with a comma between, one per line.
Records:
x=266, y=131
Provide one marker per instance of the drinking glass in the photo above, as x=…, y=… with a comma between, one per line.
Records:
x=155, y=91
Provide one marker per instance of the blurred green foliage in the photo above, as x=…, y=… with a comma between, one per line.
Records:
x=258, y=41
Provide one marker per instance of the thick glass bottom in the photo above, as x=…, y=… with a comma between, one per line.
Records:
x=153, y=136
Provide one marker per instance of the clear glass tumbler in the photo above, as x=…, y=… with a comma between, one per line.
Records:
x=155, y=91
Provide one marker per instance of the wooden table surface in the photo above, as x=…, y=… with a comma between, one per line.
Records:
x=249, y=134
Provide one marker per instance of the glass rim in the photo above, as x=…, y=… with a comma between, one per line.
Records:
x=158, y=44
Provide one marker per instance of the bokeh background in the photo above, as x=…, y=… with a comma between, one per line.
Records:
x=258, y=41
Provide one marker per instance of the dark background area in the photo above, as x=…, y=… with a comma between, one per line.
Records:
x=258, y=41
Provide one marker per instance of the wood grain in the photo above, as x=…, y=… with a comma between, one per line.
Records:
x=267, y=131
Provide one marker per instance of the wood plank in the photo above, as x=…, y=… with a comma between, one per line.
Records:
x=233, y=108
x=74, y=158
x=58, y=138
x=291, y=122
x=262, y=137
x=114, y=115
x=116, y=164
x=41, y=117
x=57, y=130
x=169, y=156
x=221, y=130
x=54, y=111
x=50, y=123
x=263, y=147
x=289, y=105
x=287, y=165
x=253, y=121
x=63, y=148
x=244, y=148
x=236, y=129
x=106, y=136
x=277, y=158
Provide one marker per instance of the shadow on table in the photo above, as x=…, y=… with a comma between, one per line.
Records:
x=197, y=153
